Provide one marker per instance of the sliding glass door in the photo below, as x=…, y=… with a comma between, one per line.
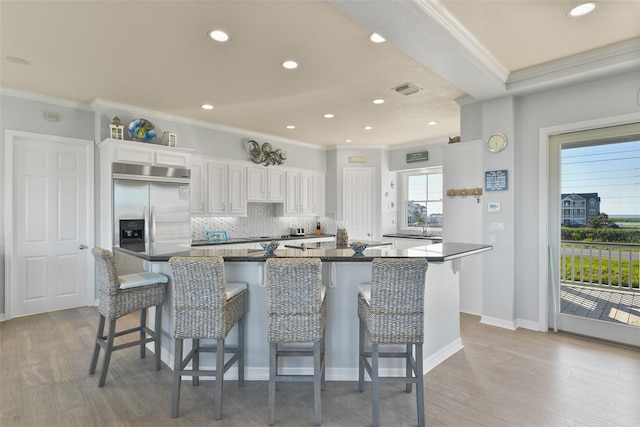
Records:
x=595, y=233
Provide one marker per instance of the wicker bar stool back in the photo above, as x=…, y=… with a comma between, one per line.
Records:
x=120, y=295
x=391, y=311
x=296, y=307
x=205, y=306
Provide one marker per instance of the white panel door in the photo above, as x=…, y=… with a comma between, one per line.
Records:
x=50, y=268
x=358, y=203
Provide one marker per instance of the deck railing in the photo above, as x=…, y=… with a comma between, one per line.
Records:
x=602, y=265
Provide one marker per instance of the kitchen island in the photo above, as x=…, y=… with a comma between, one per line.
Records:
x=342, y=273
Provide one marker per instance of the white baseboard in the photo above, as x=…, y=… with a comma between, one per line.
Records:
x=500, y=323
x=331, y=374
x=528, y=324
x=442, y=355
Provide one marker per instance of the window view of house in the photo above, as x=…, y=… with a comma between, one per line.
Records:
x=424, y=200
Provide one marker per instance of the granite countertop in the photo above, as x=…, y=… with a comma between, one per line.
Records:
x=414, y=236
x=259, y=239
x=439, y=252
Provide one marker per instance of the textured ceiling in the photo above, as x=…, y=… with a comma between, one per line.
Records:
x=156, y=55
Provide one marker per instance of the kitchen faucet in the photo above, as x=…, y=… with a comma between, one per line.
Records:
x=423, y=225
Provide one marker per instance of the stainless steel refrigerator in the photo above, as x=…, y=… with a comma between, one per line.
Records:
x=157, y=198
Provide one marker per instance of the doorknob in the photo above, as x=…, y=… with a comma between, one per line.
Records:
x=82, y=247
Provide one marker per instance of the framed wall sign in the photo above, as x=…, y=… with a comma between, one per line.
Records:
x=496, y=180
x=420, y=156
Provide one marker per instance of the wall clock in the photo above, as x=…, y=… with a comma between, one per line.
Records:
x=496, y=142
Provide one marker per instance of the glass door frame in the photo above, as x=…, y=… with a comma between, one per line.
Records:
x=549, y=237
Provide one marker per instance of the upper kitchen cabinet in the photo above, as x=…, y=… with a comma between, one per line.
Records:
x=199, y=188
x=227, y=189
x=265, y=185
x=304, y=195
x=218, y=188
x=141, y=153
x=319, y=193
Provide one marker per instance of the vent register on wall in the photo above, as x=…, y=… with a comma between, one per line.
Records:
x=151, y=208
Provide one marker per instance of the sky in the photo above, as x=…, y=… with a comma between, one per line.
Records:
x=611, y=170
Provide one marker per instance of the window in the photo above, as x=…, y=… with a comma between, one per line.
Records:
x=423, y=195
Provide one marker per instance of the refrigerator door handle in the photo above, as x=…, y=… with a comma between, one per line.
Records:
x=146, y=225
x=153, y=226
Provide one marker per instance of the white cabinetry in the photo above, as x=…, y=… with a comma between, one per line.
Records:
x=145, y=154
x=218, y=188
x=227, y=189
x=319, y=193
x=265, y=185
x=198, y=186
x=299, y=196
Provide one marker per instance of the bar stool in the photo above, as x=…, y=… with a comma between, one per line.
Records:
x=205, y=306
x=391, y=311
x=296, y=309
x=120, y=295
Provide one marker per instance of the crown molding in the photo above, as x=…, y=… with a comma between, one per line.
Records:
x=473, y=48
x=36, y=97
x=624, y=56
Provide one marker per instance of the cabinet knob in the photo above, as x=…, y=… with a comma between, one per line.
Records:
x=82, y=247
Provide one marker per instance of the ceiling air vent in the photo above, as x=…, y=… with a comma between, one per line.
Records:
x=407, y=89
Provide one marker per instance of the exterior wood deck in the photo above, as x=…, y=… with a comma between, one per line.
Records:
x=603, y=304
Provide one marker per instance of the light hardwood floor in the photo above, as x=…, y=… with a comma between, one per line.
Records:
x=501, y=378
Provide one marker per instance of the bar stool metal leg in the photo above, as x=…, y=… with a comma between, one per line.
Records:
x=360, y=357
x=409, y=365
x=195, y=362
x=96, y=348
x=175, y=386
x=375, y=384
x=107, y=353
x=419, y=385
x=217, y=404
x=157, y=334
x=273, y=371
x=241, y=328
x=317, y=382
x=143, y=333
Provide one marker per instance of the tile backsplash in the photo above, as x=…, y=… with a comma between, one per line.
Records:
x=261, y=220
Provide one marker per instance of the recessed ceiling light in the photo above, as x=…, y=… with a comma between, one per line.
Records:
x=347, y=140
x=378, y=101
x=368, y=128
x=206, y=107
x=219, y=35
x=17, y=60
x=376, y=38
x=432, y=123
x=290, y=65
x=581, y=9
x=291, y=127
x=328, y=116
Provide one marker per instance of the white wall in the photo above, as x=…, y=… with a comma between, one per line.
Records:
x=463, y=216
